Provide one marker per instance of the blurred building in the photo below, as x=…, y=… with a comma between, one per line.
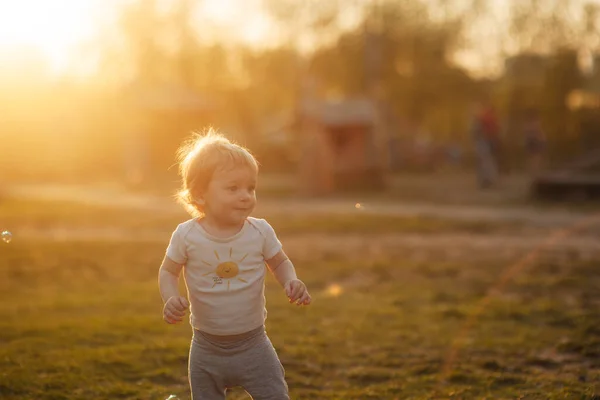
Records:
x=344, y=146
x=589, y=94
x=579, y=178
x=526, y=69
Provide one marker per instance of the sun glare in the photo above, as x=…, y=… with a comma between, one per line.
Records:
x=334, y=290
x=53, y=28
x=252, y=24
x=56, y=29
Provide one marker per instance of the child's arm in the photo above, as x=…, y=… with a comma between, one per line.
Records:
x=285, y=273
x=168, y=284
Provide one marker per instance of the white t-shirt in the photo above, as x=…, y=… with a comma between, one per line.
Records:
x=225, y=276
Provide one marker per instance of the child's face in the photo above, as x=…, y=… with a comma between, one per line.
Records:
x=230, y=196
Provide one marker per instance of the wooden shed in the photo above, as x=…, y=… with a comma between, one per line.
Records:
x=343, y=146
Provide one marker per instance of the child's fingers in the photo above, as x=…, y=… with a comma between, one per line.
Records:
x=295, y=293
x=300, y=296
x=307, y=300
x=177, y=313
x=299, y=290
x=304, y=299
x=171, y=318
x=174, y=313
x=174, y=309
x=288, y=290
x=183, y=303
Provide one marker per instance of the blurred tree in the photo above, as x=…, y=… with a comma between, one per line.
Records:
x=562, y=76
x=542, y=25
x=339, y=49
x=304, y=26
x=187, y=41
x=547, y=38
x=412, y=60
x=140, y=28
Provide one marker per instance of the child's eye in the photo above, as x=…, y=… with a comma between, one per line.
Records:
x=252, y=188
x=232, y=188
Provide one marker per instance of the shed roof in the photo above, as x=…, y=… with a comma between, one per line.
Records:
x=360, y=111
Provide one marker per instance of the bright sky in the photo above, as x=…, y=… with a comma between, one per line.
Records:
x=56, y=28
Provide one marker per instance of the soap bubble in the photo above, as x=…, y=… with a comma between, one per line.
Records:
x=6, y=236
x=359, y=206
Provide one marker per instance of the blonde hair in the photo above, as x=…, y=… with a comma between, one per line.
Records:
x=199, y=157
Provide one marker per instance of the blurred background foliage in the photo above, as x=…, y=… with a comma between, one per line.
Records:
x=156, y=70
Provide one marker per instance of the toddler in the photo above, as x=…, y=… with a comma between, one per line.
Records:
x=223, y=253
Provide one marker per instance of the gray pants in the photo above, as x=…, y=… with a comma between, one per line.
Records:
x=487, y=166
x=249, y=361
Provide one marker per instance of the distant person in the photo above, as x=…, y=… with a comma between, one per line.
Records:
x=535, y=141
x=485, y=132
x=222, y=252
x=453, y=153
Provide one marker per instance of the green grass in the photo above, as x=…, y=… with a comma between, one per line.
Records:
x=83, y=321
x=49, y=215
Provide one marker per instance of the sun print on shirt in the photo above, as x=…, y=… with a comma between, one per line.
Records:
x=226, y=270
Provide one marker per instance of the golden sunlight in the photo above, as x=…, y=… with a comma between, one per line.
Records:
x=334, y=290
x=252, y=25
x=53, y=28
x=57, y=29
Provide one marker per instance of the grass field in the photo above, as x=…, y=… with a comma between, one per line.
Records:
x=81, y=319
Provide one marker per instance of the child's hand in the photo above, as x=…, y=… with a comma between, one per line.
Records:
x=174, y=309
x=296, y=291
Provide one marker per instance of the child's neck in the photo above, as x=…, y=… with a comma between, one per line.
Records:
x=219, y=229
